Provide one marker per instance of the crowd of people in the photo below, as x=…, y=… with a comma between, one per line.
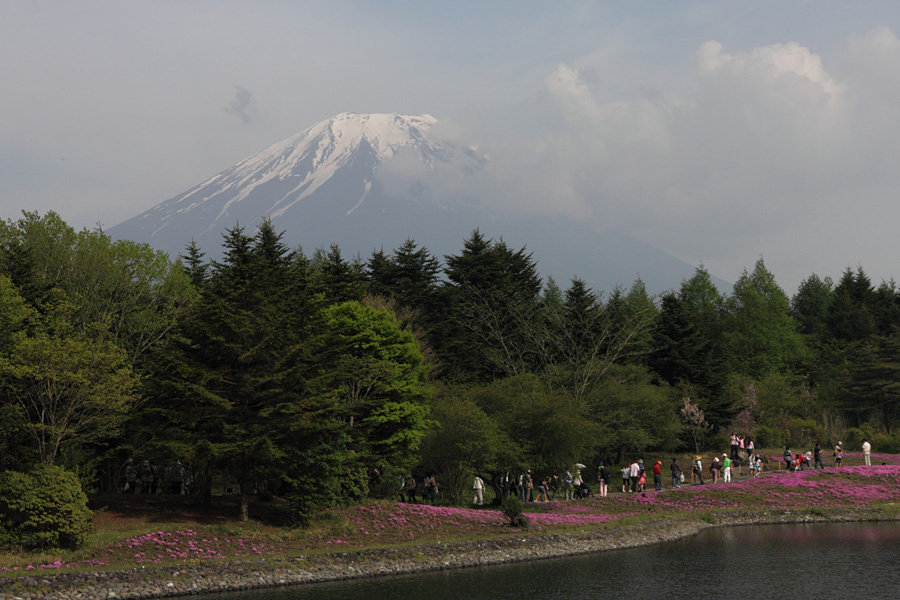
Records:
x=148, y=479
x=634, y=475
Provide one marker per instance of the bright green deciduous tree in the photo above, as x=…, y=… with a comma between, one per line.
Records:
x=465, y=442
x=72, y=388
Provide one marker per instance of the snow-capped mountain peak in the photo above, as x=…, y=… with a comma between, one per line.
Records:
x=310, y=158
x=369, y=182
x=292, y=173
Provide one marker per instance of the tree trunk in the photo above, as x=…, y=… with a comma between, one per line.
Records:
x=246, y=485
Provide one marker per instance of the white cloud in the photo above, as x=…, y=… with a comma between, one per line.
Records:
x=760, y=152
x=684, y=125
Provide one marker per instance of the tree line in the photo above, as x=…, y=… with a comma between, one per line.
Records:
x=326, y=380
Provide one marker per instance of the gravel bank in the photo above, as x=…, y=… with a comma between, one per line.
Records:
x=218, y=576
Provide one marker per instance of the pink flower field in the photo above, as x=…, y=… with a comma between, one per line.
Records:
x=384, y=523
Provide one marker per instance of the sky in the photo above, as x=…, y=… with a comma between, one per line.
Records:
x=721, y=132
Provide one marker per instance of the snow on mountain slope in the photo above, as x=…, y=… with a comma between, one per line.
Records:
x=370, y=182
x=284, y=175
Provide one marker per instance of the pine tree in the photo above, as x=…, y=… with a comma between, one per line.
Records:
x=811, y=304
x=760, y=335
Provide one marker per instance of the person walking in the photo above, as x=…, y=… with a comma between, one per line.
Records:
x=867, y=453
x=635, y=476
x=838, y=454
x=410, y=486
x=626, y=479
x=817, y=456
x=431, y=488
x=697, y=469
x=657, y=476
x=603, y=480
x=131, y=476
x=529, y=487
x=146, y=477
x=726, y=469
x=714, y=469
x=788, y=458
x=478, y=486
x=676, y=474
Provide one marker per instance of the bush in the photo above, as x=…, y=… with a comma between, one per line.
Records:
x=512, y=508
x=771, y=437
x=883, y=443
x=854, y=437
x=44, y=508
x=804, y=433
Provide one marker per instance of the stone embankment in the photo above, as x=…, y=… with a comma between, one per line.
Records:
x=220, y=576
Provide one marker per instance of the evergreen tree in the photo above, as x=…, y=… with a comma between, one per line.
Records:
x=873, y=389
x=552, y=295
x=850, y=316
x=760, y=335
x=688, y=345
x=811, y=304
x=239, y=354
x=492, y=291
x=339, y=279
x=193, y=264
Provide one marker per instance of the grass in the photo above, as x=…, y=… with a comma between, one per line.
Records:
x=131, y=531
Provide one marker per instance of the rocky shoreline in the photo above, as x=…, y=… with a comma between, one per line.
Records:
x=224, y=576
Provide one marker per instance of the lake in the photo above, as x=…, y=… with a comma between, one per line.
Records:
x=853, y=560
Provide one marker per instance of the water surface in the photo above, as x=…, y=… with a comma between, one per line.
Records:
x=853, y=560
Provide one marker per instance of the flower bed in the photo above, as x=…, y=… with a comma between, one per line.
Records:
x=391, y=524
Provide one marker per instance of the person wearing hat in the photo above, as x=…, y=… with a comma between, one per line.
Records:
x=697, y=469
x=726, y=469
x=714, y=469
x=838, y=454
x=657, y=476
x=529, y=487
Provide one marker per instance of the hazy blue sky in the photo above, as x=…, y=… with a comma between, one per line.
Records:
x=718, y=131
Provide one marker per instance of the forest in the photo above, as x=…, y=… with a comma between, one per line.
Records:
x=325, y=380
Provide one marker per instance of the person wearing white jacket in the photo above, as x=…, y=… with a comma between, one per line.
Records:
x=479, y=491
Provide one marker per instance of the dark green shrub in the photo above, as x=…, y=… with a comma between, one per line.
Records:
x=854, y=437
x=44, y=508
x=771, y=437
x=512, y=507
x=883, y=443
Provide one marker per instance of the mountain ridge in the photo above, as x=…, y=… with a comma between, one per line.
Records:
x=369, y=182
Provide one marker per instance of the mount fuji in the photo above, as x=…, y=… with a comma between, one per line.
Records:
x=371, y=181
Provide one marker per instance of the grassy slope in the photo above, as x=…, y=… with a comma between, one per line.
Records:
x=135, y=530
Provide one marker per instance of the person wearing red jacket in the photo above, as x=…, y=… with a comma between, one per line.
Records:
x=657, y=476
